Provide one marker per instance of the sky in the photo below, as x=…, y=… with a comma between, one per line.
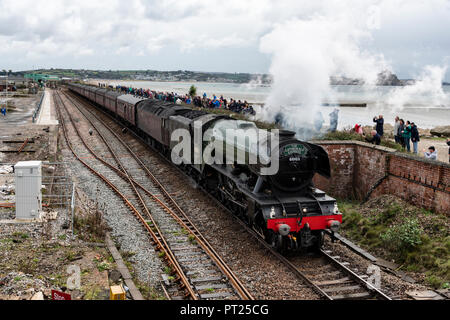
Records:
x=405, y=36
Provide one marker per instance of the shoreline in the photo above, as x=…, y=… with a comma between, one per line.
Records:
x=193, y=82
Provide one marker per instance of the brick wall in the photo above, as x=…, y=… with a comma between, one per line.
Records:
x=358, y=167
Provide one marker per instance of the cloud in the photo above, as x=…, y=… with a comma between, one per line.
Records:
x=106, y=28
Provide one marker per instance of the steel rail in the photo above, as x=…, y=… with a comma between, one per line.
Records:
x=161, y=244
x=23, y=146
x=355, y=277
x=187, y=223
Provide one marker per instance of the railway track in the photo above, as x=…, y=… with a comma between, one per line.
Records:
x=335, y=279
x=195, y=271
x=330, y=278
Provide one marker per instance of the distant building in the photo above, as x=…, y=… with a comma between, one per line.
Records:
x=12, y=82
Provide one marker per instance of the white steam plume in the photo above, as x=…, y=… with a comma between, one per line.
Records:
x=307, y=52
x=427, y=91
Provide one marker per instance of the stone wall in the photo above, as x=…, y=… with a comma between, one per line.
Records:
x=361, y=170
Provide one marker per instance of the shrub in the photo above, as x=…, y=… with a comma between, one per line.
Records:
x=349, y=135
x=404, y=236
x=342, y=135
x=193, y=91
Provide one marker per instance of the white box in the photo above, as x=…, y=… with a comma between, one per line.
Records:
x=28, y=176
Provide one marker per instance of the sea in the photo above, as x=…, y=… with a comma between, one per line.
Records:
x=427, y=108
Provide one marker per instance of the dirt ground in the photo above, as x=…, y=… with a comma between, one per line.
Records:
x=35, y=257
x=30, y=265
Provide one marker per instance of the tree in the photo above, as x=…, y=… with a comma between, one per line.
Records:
x=193, y=91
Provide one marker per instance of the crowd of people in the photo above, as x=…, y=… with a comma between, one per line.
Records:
x=405, y=133
x=236, y=106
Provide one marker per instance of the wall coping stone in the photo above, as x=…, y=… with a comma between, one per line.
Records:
x=381, y=148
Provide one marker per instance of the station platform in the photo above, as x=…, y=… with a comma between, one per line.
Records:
x=47, y=115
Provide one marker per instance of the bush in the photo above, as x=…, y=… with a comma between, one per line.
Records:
x=342, y=136
x=404, y=237
x=193, y=91
x=350, y=135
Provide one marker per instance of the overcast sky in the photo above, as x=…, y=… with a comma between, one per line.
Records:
x=209, y=35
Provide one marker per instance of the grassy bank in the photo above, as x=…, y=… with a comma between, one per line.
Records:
x=347, y=135
x=415, y=239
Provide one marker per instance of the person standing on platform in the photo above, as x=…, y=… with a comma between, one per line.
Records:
x=396, y=127
x=448, y=143
x=380, y=125
x=334, y=119
x=318, y=121
x=415, y=138
x=407, y=136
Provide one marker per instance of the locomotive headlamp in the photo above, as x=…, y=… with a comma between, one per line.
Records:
x=334, y=225
x=336, y=209
x=305, y=210
x=284, y=230
x=272, y=213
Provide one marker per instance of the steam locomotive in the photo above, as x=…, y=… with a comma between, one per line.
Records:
x=284, y=208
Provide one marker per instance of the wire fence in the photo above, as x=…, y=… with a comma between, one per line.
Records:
x=38, y=107
x=57, y=188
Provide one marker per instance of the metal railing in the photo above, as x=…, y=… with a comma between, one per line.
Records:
x=38, y=107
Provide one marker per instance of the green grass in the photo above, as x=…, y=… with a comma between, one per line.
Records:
x=150, y=293
x=62, y=237
x=414, y=238
x=168, y=270
x=347, y=135
x=21, y=235
x=104, y=266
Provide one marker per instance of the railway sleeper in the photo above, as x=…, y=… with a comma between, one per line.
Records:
x=198, y=264
x=211, y=279
x=353, y=296
x=196, y=274
x=175, y=248
x=325, y=275
x=199, y=258
x=342, y=289
x=212, y=287
x=189, y=254
x=219, y=295
x=333, y=282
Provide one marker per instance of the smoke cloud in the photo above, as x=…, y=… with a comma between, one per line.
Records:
x=307, y=52
x=427, y=91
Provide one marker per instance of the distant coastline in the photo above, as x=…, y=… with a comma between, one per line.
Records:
x=384, y=79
